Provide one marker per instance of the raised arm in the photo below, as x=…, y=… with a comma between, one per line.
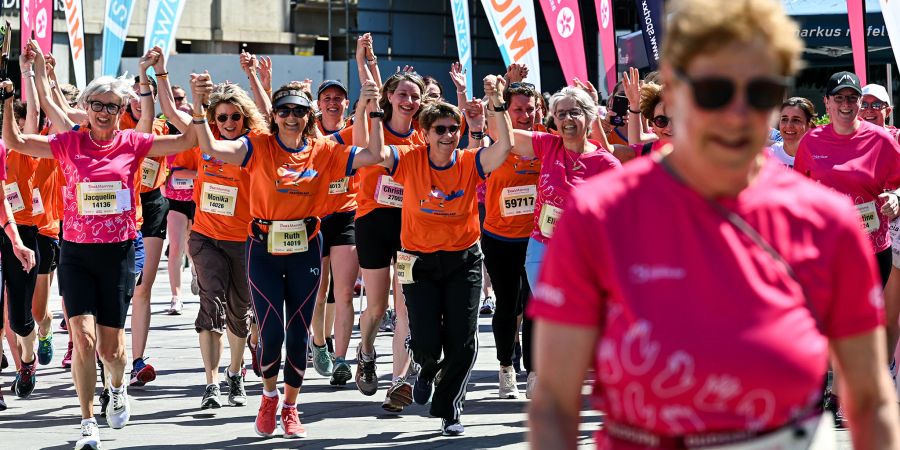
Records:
x=232, y=152
x=366, y=62
x=493, y=156
x=55, y=113
x=145, y=96
x=458, y=75
x=181, y=120
x=474, y=111
x=375, y=151
x=250, y=65
x=32, y=106
x=596, y=127
x=24, y=254
x=29, y=144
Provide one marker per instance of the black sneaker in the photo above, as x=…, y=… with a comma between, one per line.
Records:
x=211, y=397
x=452, y=428
x=4, y=363
x=237, y=396
x=366, y=378
x=517, y=357
x=25, y=380
x=422, y=390
x=2, y=402
x=104, y=401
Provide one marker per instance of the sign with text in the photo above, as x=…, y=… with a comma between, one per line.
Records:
x=515, y=31
x=163, y=17
x=115, y=28
x=75, y=29
x=463, y=40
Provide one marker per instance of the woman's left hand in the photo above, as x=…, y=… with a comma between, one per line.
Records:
x=891, y=205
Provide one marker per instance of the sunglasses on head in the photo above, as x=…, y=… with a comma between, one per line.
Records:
x=522, y=85
x=298, y=112
x=878, y=104
x=713, y=92
x=443, y=129
x=235, y=117
x=111, y=108
x=661, y=121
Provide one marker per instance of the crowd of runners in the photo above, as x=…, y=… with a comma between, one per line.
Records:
x=701, y=276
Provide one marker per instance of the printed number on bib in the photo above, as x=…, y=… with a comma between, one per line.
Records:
x=869, y=214
x=149, y=171
x=14, y=197
x=517, y=200
x=288, y=237
x=549, y=216
x=405, y=263
x=182, y=184
x=218, y=199
x=339, y=186
x=37, y=203
x=389, y=192
x=102, y=198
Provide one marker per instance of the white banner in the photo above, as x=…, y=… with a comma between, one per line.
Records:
x=515, y=31
x=162, y=22
x=75, y=28
x=891, y=12
x=463, y=40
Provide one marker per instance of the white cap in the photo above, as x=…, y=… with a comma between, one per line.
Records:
x=878, y=91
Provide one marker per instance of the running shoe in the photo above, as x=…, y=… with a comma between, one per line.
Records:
x=195, y=286
x=321, y=360
x=211, y=397
x=290, y=423
x=2, y=402
x=45, y=349
x=104, y=401
x=387, y=322
x=357, y=287
x=63, y=325
x=342, y=373
x=422, y=390
x=399, y=396
x=254, y=362
x=141, y=372
x=175, y=307
x=4, y=363
x=329, y=344
x=530, y=384
x=508, y=387
x=67, y=358
x=452, y=428
x=119, y=411
x=487, y=307
x=25, y=380
x=366, y=378
x=265, y=419
x=90, y=436
x=517, y=357
x=237, y=396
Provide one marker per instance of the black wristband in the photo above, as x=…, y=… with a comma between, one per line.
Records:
x=376, y=114
x=477, y=134
x=500, y=108
x=198, y=121
x=4, y=96
x=633, y=111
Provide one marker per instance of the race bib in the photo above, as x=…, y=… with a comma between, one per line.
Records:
x=517, y=200
x=288, y=237
x=339, y=187
x=405, y=263
x=149, y=171
x=182, y=184
x=389, y=192
x=869, y=214
x=218, y=199
x=102, y=198
x=37, y=203
x=549, y=215
x=14, y=197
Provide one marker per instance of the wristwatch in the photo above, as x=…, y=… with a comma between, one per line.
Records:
x=500, y=108
x=376, y=114
x=477, y=134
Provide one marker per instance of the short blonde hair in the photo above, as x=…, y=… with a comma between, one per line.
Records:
x=701, y=26
x=651, y=95
x=237, y=97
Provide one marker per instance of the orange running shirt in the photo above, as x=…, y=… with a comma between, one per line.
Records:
x=440, y=207
x=153, y=172
x=20, y=181
x=510, y=198
x=47, y=201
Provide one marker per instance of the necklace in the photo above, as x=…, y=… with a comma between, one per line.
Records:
x=576, y=161
x=102, y=147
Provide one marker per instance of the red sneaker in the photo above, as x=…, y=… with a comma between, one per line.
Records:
x=266, y=419
x=290, y=422
x=67, y=360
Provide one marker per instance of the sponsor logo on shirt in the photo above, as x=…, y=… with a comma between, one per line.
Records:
x=820, y=156
x=549, y=294
x=435, y=201
x=646, y=273
x=289, y=179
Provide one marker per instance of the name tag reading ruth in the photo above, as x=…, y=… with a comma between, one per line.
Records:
x=102, y=198
x=218, y=199
x=288, y=237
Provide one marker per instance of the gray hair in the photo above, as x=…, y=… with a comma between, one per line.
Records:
x=121, y=87
x=582, y=99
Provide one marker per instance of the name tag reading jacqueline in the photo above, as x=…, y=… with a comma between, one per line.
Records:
x=37, y=203
x=405, y=263
x=549, y=216
x=288, y=237
x=102, y=198
x=149, y=171
x=339, y=187
x=218, y=199
x=389, y=192
x=14, y=197
x=869, y=214
x=182, y=184
x=517, y=200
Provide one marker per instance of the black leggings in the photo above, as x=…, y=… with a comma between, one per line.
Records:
x=885, y=262
x=505, y=263
x=283, y=292
x=19, y=283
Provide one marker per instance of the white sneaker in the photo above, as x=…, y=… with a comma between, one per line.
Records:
x=530, y=385
x=90, y=437
x=175, y=307
x=508, y=386
x=119, y=410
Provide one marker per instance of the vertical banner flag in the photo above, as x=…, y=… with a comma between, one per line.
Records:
x=891, y=12
x=115, y=28
x=163, y=17
x=463, y=40
x=651, y=13
x=515, y=31
x=75, y=28
x=36, y=22
x=607, y=44
x=564, y=22
x=856, y=12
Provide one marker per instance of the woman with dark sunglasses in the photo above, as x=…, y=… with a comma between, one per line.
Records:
x=768, y=271
x=797, y=114
x=876, y=108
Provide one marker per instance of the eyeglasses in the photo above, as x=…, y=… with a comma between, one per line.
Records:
x=443, y=129
x=874, y=105
x=111, y=108
x=717, y=92
x=841, y=98
x=574, y=114
x=298, y=112
x=235, y=117
x=661, y=121
x=179, y=99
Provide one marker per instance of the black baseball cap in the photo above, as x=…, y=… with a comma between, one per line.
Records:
x=842, y=80
x=290, y=97
x=331, y=83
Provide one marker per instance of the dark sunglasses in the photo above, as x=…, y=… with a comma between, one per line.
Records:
x=717, y=92
x=661, y=121
x=298, y=112
x=874, y=105
x=442, y=129
x=111, y=108
x=179, y=99
x=235, y=117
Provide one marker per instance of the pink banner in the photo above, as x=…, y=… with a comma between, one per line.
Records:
x=564, y=22
x=855, y=13
x=607, y=43
x=36, y=18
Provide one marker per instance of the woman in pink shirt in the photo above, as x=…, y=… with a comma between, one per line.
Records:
x=708, y=286
x=96, y=269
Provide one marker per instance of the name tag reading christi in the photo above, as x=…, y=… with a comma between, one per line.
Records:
x=549, y=216
x=37, y=203
x=389, y=192
x=14, y=197
x=102, y=198
x=218, y=199
x=517, y=200
x=339, y=186
x=288, y=237
x=149, y=171
x=869, y=214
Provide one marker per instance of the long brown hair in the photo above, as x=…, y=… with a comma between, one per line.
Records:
x=390, y=85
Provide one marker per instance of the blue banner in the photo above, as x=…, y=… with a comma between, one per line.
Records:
x=163, y=17
x=650, y=13
x=115, y=28
x=463, y=40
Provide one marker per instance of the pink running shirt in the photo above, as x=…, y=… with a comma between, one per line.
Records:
x=179, y=189
x=700, y=329
x=561, y=169
x=2, y=161
x=860, y=165
x=83, y=162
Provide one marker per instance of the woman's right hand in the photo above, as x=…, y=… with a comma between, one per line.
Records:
x=363, y=47
x=369, y=95
x=631, y=81
x=160, y=65
x=148, y=60
x=458, y=76
x=201, y=86
x=40, y=63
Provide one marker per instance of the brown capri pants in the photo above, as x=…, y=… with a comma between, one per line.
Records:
x=224, y=291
